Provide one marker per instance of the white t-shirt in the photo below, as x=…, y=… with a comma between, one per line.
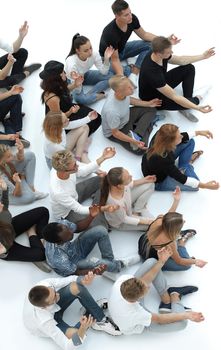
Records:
x=115, y=113
x=63, y=194
x=124, y=214
x=40, y=321
x=131, y=318
x=74, y=63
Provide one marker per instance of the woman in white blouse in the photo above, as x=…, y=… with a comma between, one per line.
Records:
x=79, y=62
x=55, y=126
x=119, y=188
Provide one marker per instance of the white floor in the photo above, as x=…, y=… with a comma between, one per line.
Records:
x=52, y=25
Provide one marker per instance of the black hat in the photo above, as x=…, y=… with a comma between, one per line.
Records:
x=51, y=68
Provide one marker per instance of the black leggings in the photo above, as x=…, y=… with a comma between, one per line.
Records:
x=17, y=74
x=21, y=223
x=83, y=112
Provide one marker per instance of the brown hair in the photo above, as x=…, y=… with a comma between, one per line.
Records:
x=133, y=289
x=160, y=43
x=171, y=225
x=113, y=178
x=118, y=6
x=3, y=149
x=53, y=126
x=38, y=295
x=164, y=140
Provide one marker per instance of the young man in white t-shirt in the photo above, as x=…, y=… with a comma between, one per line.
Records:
x=128, y=311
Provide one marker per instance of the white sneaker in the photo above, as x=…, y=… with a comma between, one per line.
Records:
x=113, y=276
x=40, y=195
x=130, y=260
x=107, y=327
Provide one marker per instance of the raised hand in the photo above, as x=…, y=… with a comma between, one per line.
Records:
x=177, y=194
x=205, y=133
x=23, y=30
x=164, y=254
x=108, y=52
x=109, y=152
x=209, y=53
x=173, y=39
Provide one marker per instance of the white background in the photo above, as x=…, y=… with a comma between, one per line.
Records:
x=52, y=25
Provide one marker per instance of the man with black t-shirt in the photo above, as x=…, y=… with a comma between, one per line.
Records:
x=117, y=33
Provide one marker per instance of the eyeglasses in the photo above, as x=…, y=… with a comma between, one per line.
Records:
x=159, y=246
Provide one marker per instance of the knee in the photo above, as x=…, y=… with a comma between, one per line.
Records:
x=101, y=231
x=22, y=53
x=43, y=212
x=192, y=142
x=30, y=156
x=85, y=129
x=190, y=68
x=74, y=288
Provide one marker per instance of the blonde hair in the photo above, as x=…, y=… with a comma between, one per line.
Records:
x=3, y=149
x=133, y=289
x=53, y=126
x=62, y=159
x=117, y=80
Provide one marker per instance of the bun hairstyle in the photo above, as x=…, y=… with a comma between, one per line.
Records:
x=77, y=41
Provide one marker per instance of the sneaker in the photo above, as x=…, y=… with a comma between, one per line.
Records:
x=136, y=137
x=33, y=67
x=130, y=260
x=182, y=290
x=103, y=303
x=106, y=326
x=164, y=308
x=189, y=116
x=111, y=275
x=40, y=195
x=25, y=142
x=43, y=266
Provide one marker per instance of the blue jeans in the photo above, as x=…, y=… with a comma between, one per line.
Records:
x=84, y=297
x=171, y=265
x=86, y=242
x=184, y=152
x=99, y=83
x=134, y=48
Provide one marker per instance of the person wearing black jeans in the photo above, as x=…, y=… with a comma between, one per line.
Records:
x=32, y=221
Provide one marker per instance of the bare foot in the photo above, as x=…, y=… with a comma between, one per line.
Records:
x=195, y=156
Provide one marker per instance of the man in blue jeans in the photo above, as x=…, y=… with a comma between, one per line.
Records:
x=117, y=33
x=48, y=300
x=68, y=256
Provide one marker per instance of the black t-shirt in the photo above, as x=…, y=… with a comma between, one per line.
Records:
x=114, y=36
x=152, y=76
x=163, y=166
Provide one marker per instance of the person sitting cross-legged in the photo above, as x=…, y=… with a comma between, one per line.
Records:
x=68, y=256
x=48, y=300
x=127, y=308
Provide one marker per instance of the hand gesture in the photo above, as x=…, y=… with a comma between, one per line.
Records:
x=3, y=184
x=78, y=79
x=74, y=109
x=164, y=254
x=173, y=39
x=200, y=263
x=109, y=152
x=16, y=178
x=205, y=133
x=19, y=144
x=11, y=58
x=23, y=30
x=11, y=137
x=93, y=115
x=177, y=194
x=195, y=316
x=88, y=279
x=141, y=145
x=86, y=322
x=94, y=210
x=156, y=102
x=110, y=208
x=16, y=89
x=211, y=185
x=108, y=52
x=205, y=109
x=209, y=53
x=150, y=178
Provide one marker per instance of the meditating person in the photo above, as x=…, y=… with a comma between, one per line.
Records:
x=166, y=230
x=167, y=145
x=18, y=171
x=56, y=95
x=55, y=126
x=79, y=62
x=32, y=222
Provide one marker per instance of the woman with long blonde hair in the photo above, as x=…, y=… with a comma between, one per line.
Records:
x=168, y=145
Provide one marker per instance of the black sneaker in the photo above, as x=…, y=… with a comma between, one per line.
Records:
x=182, y=290
x=33, y=67
x=25, y=142
x=164, y=308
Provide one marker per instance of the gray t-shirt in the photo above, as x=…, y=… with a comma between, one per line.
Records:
x=115, y=113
